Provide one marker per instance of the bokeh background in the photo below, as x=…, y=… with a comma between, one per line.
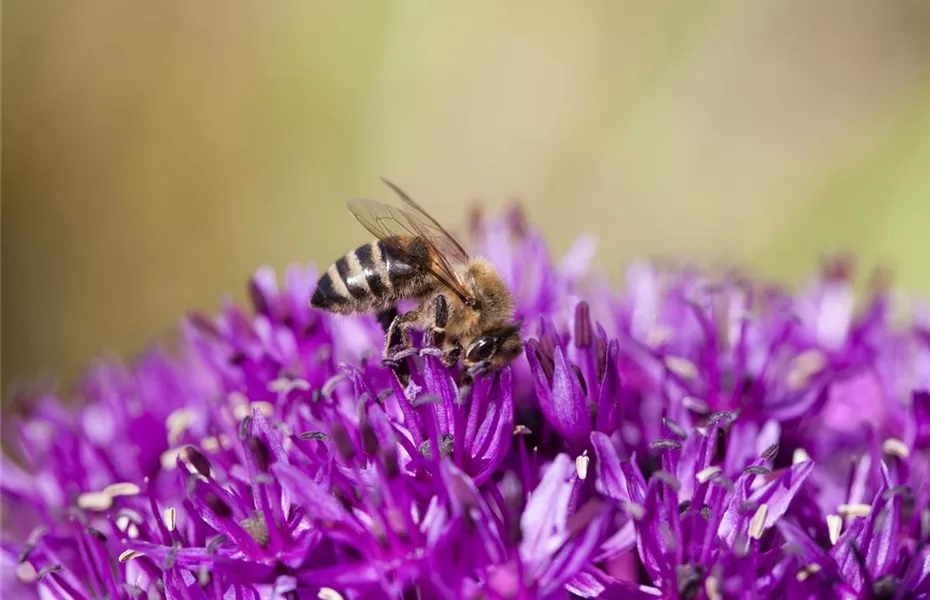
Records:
x=156, y=153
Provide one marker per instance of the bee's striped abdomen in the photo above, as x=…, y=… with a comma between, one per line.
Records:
x=369, y=258
x=370, y=277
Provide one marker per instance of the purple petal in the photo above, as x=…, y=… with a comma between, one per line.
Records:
x=620, y=481
x=566, y=407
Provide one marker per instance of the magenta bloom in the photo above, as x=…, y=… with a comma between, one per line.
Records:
x=695, y=435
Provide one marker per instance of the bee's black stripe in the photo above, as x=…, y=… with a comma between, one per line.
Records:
x=350, y=279
x=366, y=260
x=326, y=295
x=397, y=268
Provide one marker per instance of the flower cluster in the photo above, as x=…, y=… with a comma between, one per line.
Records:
x=698, y=435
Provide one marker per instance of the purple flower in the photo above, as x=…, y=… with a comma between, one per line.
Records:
x=696, y=435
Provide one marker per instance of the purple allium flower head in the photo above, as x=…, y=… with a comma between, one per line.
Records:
x=697, y=434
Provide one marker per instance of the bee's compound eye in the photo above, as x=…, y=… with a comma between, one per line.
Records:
x=481, y=350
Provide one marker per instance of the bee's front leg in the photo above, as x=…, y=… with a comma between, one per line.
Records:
x=440, y=321
x=451, y=354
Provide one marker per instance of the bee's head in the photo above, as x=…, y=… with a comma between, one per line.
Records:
x=495, y=348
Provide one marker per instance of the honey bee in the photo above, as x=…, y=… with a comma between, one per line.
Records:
x=463, y=302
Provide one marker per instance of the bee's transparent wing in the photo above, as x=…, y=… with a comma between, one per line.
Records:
x=396, y=227
x=448, y=247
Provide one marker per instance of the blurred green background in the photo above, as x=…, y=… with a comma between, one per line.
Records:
x=156, y=153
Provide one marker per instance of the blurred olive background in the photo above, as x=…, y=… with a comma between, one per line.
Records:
x=156, y=153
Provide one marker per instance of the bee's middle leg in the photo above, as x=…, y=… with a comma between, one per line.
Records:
x=397, y=334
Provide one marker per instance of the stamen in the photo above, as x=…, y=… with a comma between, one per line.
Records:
x=172, y=556
x=128, y=555
x=425, y=399
x=581, y=466
x=723, y=482
x=244, y=426
x=122, y=489
x=178, y=422
x=712, y=588
x=265, y=408
x=682, y=367
x=675, y=428
x=522, y=430
x=757, y=470
x=720, y=415
x=446, y=447
x=285, y=385
x=26, y=551
x=695, y=405
x=96, y=533
x=169, y=458
x=329, y=594
x=636, y=511
x=131, y=515
x=659, y=335
x=26, y=573
x=214, y=544
x=171, y=518
x=49, y=569
x=315, y=435
x=895, y=447
x=758, y=522
x=332, y=382
x=804, y=367
x=95, y=501
x=807, y=571
x=834, y=527
x=213, y=444
x=770, y=453
x=886, y=586
x=668, y=479
x=800, y=455
x=853, y=510
x=263, y=479
x=705, y=475
x=689, y=580
x=897, y=490
x=664, y=445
